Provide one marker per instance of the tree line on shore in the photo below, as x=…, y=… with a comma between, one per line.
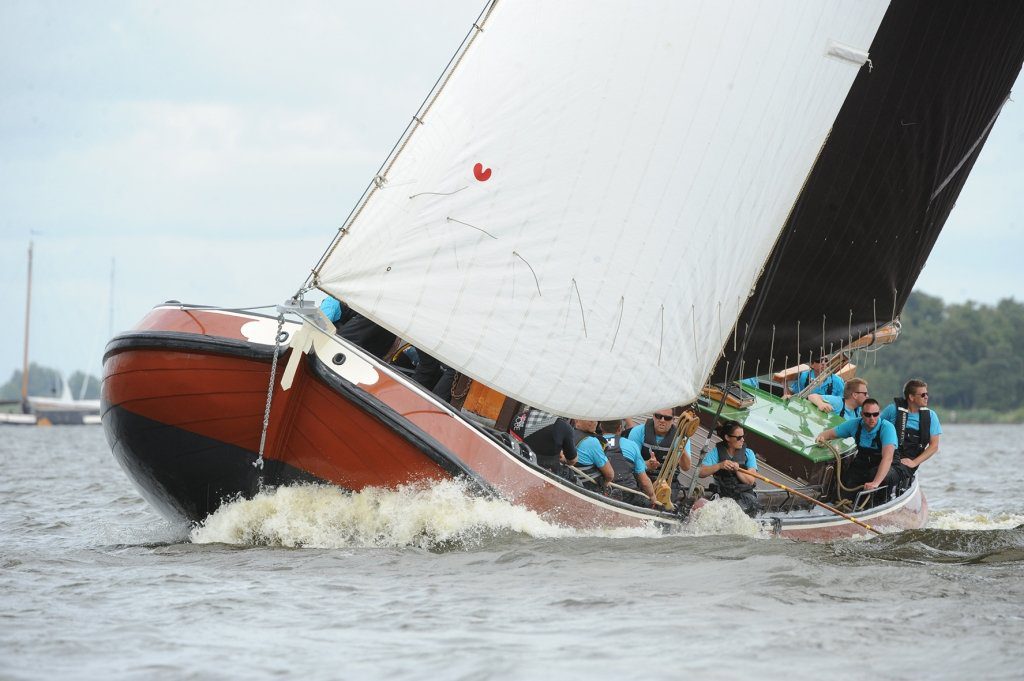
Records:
x=47, y=382
x=971, y=356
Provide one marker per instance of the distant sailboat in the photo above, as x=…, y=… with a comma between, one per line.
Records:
x=586, y=216
x=36, y=410
x=65, y=410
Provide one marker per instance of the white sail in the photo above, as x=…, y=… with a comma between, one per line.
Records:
x=637, y=161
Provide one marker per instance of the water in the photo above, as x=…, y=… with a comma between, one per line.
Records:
x=420, y=584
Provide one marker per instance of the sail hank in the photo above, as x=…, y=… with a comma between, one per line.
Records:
x=596, y=188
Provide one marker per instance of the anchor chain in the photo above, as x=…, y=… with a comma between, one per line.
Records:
x=258, y=463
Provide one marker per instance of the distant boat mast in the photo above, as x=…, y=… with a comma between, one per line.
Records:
x=110, y=314
x=28, y=309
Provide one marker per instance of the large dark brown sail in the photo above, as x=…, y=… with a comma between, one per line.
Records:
x=901, y=149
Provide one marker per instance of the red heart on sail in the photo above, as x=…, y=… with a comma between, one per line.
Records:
x=481, y=173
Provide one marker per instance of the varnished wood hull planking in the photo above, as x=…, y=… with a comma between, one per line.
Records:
x=197, y=377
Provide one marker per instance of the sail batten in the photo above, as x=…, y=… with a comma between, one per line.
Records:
x=583, y=212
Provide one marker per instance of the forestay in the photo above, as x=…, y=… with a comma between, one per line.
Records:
x=590, y=198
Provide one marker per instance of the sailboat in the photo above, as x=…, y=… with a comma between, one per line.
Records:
x=598, y=210
x=37, y=410
x=65, y=409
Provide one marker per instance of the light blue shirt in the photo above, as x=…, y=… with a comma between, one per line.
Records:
x=837, y=384
x=838, y=405
x=712, y=458
x=332, y=308
x=590, y=453
x=636, y=435
x=913, y=420
x=867, y=437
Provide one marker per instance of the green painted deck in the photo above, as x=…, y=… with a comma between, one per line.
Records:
x=792, y=424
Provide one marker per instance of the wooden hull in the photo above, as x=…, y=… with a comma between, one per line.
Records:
x=908, y=511
x=183, y=402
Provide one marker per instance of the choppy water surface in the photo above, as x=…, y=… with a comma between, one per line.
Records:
x=313, y=583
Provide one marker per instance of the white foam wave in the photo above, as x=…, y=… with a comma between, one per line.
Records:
x=972, y=520
x=321, y=516
x=722, y=516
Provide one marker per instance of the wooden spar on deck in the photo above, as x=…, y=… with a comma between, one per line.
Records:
x=838, y=363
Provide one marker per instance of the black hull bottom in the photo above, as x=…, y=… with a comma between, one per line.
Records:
x=186, y=476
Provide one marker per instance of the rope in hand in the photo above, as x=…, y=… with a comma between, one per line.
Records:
x=843, y=502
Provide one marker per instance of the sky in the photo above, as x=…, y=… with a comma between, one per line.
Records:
x=208, y=151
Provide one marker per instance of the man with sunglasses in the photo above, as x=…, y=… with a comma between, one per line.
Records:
x=918, y=430
x=876, y=444
x=848, y=406
x=655, y=438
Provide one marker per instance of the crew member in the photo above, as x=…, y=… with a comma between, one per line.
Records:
x=655, y=439
x=832, y=385
x=590, y=454
x=727, y=461
x=847, y=406
x=627, y=461
x=876, y=443
x=550, y=438
x=358, y=329
x=917, y=429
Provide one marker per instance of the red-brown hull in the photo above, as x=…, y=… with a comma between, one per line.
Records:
x=184, y=396
x=195, y=376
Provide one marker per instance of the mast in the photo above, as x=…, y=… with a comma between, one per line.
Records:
x=110, y=313
x=28, y=309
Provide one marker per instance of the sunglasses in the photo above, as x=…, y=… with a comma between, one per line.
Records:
x=860, y=392
x=870, y=414
x=736, y=437
x=922, y=394
x=662, y=417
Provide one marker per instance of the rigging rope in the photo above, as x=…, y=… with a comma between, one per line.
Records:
x=688, y=424
x=418, y=120
x=843, y=502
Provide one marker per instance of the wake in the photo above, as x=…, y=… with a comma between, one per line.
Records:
x=439, y=516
